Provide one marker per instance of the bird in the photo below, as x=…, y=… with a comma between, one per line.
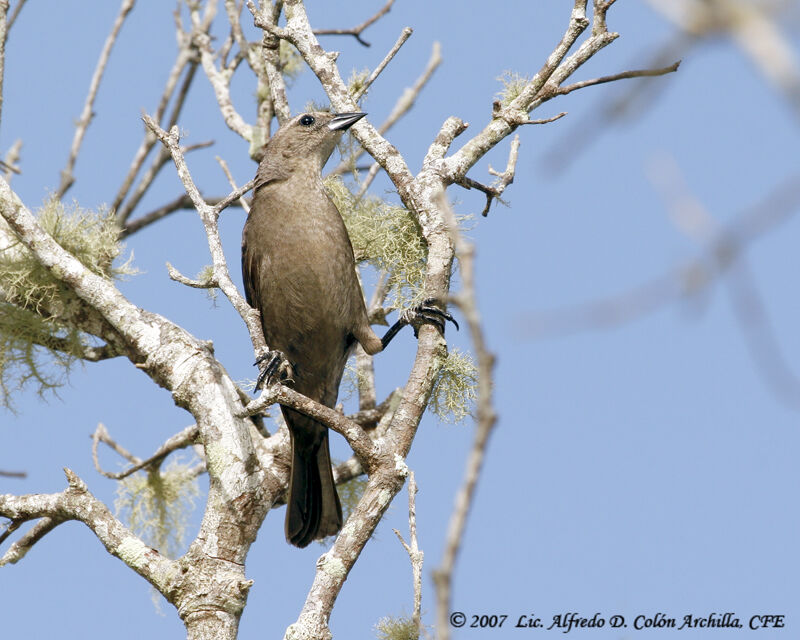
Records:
x=299, y=272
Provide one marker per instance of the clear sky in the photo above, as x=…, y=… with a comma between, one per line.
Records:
x=640, y=469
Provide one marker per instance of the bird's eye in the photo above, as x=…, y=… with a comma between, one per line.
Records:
x=307, y=120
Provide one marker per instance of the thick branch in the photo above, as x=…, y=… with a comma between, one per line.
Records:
x=77, y=503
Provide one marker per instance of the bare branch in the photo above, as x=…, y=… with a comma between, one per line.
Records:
x=183, y=201
x=503, y=179
x=209, y=216
x=640, y=73
x=161, y=159
x=242, y=202
x=220, y=80
x=21, y=547
x=270, y=45
x=486, y=419
x=177, y=276
x=13, y=474
x=183, y=58
x=404, y=35
x=553, y=73
x=181, y=440
x=4, y=26
x=412, y=549
x=363, y=446
x=77, y=503
x=67, y=177
x=14, y=14
x=401, y=107
x=10, y=161
x=356, y=31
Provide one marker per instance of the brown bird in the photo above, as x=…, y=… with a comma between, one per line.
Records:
x=299, y=272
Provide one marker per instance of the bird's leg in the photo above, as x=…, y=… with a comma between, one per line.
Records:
x=425, y=313
x=273, y=366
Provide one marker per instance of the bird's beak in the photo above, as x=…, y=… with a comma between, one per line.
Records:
x=342, y=121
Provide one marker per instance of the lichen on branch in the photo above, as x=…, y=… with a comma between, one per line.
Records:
x=387, y=237
x=36, y=344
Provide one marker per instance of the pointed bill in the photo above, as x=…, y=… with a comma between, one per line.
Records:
x=342, y=121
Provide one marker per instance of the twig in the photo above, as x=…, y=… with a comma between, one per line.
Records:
x=209, y=215
x=400, y=108
x=356, y=31
x=177, y=276
x=11, y=159
x=181, y=202
x=242, y=202
x=77, y=503
x=412, y=549
x=67, y=177
x=14, y=14
x=13, y=474
x=181, y=440
x=21, y=547
x=161, y=159
x=363, y=446
x=486, y=419
x=640, y=73
x=270, y=45
x=404, y=35
x=503, y=179
x=4, y=26
x=183, y=58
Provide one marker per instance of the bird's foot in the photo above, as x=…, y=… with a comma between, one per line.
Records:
x=273, y=367
x=426, y=313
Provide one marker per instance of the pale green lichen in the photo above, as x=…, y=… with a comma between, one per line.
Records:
x=455, y=388
x=333, y=566
x=396, y=628
x=132, y=551
x=513, y=85
x=157, y=505
x=36, y=346
x=357, y=81
x=387, y=237
x=206, y=276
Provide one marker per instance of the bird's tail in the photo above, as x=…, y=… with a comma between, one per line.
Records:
x=313, y=510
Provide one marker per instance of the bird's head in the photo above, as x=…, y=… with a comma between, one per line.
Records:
x=303, y=143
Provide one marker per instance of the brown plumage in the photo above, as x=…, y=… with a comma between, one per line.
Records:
x=299, y=272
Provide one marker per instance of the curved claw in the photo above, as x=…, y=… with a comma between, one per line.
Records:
x=277, y=369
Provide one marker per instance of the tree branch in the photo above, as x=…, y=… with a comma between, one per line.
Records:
x=404, y=35
x=209, y=216
x=356, y=31
x=77, y=503
x=486, y=420
x=181, y=440
x=4, y=27
x=67, y=178
x=415, y=555
x=640, y=73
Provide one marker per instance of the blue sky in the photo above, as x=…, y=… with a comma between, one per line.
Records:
x=641, y=469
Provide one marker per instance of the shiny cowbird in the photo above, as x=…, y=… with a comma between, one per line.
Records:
x=299, y=272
